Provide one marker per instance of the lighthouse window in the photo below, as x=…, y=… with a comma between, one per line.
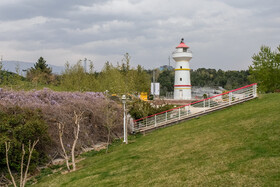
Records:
x=181, y=67
x=185, y=50
x=180, y=79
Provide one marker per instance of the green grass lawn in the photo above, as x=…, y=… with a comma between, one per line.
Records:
x=238, y=146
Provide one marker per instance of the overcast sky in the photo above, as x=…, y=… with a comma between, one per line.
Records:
x=223, y=34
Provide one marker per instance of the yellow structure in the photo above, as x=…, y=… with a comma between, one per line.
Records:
x=144, y=96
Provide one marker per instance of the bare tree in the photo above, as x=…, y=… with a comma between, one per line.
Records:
x=77, y=120
x=30, y=150
x=21, y=164
x=23, y=175
x=4, y=181
x=64, y=154
x=7, y=146
x=110, y=122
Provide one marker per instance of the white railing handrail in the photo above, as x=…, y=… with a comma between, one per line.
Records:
x=245, y=92
x=188, y=51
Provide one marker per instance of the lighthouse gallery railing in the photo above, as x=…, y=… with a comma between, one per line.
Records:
x=196, y=108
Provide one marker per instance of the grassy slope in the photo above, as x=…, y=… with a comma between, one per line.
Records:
x=237, y=146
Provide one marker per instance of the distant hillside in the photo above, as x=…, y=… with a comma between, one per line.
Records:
x=11, y=66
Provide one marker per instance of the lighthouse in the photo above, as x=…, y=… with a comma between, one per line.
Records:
x=182, y=82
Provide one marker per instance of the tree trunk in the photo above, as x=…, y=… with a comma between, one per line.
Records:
x=78, y=118
x=108, y=140
x=7, y=146
x=21, y=166
x=30, y=149
x=61, y=128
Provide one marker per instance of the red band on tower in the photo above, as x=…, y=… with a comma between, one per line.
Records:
x=182, y=85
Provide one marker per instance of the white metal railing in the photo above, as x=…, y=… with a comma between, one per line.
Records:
x=195, y=108
x=188, y=51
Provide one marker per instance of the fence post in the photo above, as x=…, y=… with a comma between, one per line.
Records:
x=155, y=120
x=166, y=116
x=255, y=90
x=209, y=103
x=146, y=121
x=179, y=113
x=204, y=104
x=133, y=127
x=230, y=98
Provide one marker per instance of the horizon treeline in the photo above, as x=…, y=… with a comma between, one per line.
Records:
x=118, y=79
x=123, y=79
x=203, y=77
x=114, y=79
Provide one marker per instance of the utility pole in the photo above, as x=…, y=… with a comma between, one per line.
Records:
x=154, y=83
x=1, y=64
x=124, y=120
x=168, y=62
x=85, y=65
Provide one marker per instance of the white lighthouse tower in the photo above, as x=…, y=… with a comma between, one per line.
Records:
x=182, y=82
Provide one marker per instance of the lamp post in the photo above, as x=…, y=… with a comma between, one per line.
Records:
x=124, y=120
x=106, y=93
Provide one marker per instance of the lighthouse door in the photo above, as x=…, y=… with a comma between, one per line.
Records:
x=181, y=94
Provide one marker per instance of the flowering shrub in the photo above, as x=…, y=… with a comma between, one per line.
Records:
x=45, y=97
x=60, y=106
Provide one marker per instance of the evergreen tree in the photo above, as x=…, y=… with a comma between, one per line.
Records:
x=42, y=66
x=40, y=73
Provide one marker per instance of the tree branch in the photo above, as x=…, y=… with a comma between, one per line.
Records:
x=30, y=149
x=78, y=118
x=21, y=166
x=60, y=133
x=7, y=146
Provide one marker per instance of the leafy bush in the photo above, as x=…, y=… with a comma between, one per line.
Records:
x=139, y=108
x=19, y=126
x=265, y=69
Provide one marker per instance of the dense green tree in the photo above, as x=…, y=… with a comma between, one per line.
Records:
x=266, y=69
x=142, y=80
x=74, y=78
x=40, y=73
x=166, y=80
x=125, y=67
x=19, y=126
x=10, y=79
x=42, y=66
x=205, y=77
x=111, y=79
x=118, y=79
x=227, y=79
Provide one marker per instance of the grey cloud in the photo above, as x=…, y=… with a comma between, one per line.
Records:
x=222, y=34
x=32, y=8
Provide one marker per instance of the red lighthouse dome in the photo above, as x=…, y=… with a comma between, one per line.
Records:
x=182, y=44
